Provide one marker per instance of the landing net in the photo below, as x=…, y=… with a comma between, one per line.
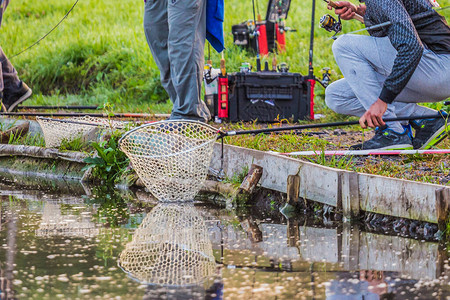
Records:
x=85, y=127
x=171, y=157
x=171, y=247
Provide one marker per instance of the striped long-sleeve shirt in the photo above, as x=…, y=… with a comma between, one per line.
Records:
x=407, y=37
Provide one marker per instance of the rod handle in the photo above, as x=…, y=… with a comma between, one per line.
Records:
x=355, y=17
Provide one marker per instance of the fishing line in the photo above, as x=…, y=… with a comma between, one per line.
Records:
x=43, y=37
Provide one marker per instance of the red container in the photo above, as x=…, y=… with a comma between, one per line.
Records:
x=262, y=39
x=222, y=110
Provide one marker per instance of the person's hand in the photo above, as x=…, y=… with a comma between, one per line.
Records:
x=374, y=116
x=376, y=280
x=346, y=10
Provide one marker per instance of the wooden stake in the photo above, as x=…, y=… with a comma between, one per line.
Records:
x=443, y=207
x=251, y=180
x=293, y=188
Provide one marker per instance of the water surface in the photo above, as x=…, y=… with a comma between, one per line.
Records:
x=89, y=244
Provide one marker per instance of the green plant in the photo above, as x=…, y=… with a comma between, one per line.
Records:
x=28, y=139
x=333, y=161
x=238, y=178
x=76, y=144
x=111, y=163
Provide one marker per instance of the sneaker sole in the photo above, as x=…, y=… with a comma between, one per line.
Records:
x=396, y=147
x=21, y=99
x=436, y=138
x=393, y=147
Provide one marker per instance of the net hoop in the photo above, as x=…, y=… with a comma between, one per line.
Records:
x=171, y=157
x=86, y=127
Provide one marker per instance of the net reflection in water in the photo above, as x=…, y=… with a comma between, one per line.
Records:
x=170, y=248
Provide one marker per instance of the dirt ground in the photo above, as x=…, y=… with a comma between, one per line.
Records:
x=432, y=168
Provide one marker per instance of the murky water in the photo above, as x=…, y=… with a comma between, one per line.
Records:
x=109, y=246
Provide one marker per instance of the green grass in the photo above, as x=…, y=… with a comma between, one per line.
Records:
x=99, y=53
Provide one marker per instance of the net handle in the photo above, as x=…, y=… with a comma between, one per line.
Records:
x=163, y=122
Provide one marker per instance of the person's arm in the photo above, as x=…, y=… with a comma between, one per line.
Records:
x=347, y=10
x=406, y=41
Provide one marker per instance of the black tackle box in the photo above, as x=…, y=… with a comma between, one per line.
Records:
x=268, y=96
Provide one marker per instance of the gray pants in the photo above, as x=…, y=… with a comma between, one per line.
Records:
x=175, y=32
x=8, y=75
x=366, y=62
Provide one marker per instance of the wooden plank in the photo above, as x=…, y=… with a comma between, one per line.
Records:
x=415, y=259
x=316, y=182
x=320, y=184
x=350, y=195
x=398, y=197
x=349, y=254
x=38, y=152
x=443, y=207
x=379, y=194
x=319, y=244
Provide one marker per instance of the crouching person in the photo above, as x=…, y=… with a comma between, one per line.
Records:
x=387, y=73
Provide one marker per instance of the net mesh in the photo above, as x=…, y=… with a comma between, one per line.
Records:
x=171, y=247
x=171, y=157
x=55, y=223
x=86, y=127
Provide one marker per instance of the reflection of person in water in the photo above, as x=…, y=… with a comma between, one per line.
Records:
x=376, y=285
x=172, y=254
x=369, y=285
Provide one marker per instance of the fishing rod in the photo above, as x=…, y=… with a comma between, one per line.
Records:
x=74, y=114
x=334, y=5
x=320, y=125
x=364, y=152
x=256, y=33
x=75, y=107
x=413, y=18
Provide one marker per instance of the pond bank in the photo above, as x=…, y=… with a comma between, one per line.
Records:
x=350, y=193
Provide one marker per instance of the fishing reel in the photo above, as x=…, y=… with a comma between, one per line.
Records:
x=252, y=32
x=207, y=74
x=329, y=23
x=283, y=67
x=326, y=77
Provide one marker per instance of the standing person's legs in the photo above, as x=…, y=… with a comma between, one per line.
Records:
x=156, y=30
x=187, y=32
